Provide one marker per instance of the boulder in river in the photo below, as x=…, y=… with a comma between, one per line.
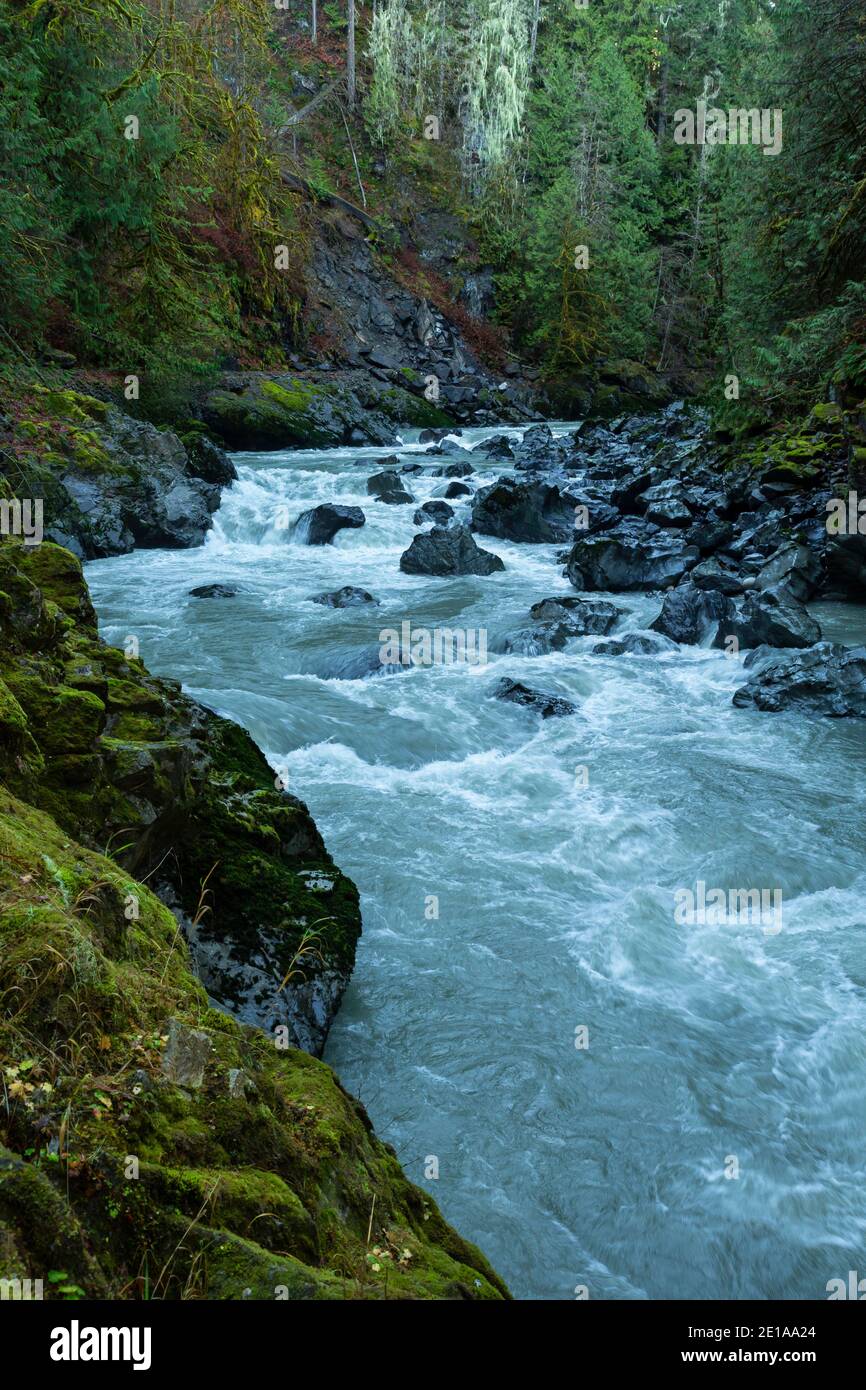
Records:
x=541, y=701
x=436, y=510
x=827, y=679
x=627, y=562
x=587, y=618
x=453, y=490
x=712, y=574
x=320, y=525
x=846, y=564
x=690, y=614
x=347, y=597
x=214, y=591
x=388, y=488
x=635, y=644
x=772, y=618
x=524, y=511
x=793, y=567
x=444, y=552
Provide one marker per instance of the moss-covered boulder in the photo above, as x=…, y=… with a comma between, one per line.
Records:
x=179, y=796
x=152, y=1147
x=109, y=482
x=251, y=410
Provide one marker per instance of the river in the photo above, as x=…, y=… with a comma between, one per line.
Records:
x=615, y=1102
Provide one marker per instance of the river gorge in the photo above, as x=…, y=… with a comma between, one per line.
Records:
x=609, y=1102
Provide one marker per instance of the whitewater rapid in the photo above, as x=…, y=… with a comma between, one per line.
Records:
x=517, y=881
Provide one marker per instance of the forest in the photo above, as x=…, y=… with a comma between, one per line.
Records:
x=551, y=127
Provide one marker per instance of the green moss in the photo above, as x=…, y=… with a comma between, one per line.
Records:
x=292, y=401
x=264, y=1182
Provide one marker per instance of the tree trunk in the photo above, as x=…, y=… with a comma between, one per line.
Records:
x=315, y=21
x=350, y=55
x=534, y=39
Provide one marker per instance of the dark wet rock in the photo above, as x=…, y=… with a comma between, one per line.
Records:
x=448, y=551
x=125, y=483
x=454, y=470
x=712, y=574
x=772, y=617
x=524, y=511
x=629, y=562
x=388, y=488
x=689, y=614
x=499, y=447
x=557, y=622
x=433, y=436
x=635, y=644
x=214, y=591
x=665, y=504
x=587, y=618
x=320, y=525
x=540, y=701
x=846, y=564
x=793, y=567
x=347, y=597
x=669, y=511
x=435, y=510
x=453, y=490
x=449, y=447
x=208, y=461
x=827, y=679
x=712, y=533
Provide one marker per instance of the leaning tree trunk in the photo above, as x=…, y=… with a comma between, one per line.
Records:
x=350, y=56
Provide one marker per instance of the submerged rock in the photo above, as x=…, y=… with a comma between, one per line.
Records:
x=347, y=597
x=215, y=591
x=543, y=703
x=635, y=644
x=445, y=552
x=320, y=524
x=827, y=679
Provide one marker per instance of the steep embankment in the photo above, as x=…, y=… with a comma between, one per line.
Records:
x=152, y=1146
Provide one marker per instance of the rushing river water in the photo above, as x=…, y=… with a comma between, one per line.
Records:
x=712, y=1050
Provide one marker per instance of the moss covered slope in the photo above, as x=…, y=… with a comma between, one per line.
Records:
x=125, y=762
x=151, y=1146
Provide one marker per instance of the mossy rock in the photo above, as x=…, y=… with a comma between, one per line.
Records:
x=263, y=1179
